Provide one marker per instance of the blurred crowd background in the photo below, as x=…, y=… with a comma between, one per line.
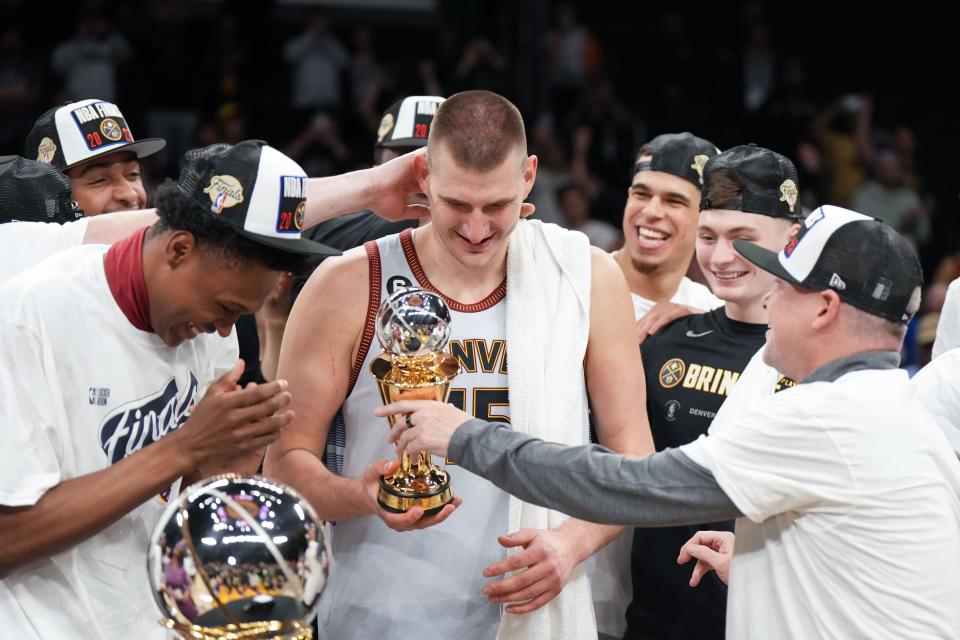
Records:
x=858, y=95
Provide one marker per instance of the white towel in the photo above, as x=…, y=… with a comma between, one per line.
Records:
x=548, y=323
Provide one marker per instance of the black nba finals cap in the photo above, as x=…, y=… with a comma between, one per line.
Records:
x=407, y=122
x=34, y=192
x=681, y=154
x=255, y=189
x=76, y=132
x=868, y=264
x=768, y=182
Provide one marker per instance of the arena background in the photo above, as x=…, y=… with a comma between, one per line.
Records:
x=593, y=80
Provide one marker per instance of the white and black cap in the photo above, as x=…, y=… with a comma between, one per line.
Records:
x=255, y=189
x=407, y=122
x=868, y=264
x=80, y=131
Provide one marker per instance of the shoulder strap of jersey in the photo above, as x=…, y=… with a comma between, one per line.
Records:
x=373, y=305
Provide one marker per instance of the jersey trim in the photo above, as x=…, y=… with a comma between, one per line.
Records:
x=373, y=305
x=410, y=253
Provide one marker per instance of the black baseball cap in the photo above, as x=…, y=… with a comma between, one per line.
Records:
x=407, y=122
x=681, y=154
x=34, y=192
x=768, y=182
x=255, y=189
x=78, y=131
x=868, y=264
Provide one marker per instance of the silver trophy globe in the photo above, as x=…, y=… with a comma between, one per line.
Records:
x=413, y=327
x=244, y=558
x=413, y=322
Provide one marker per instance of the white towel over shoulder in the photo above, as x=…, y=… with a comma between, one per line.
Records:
x=548, y=324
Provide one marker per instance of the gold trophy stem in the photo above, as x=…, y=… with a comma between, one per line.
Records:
x=418, y=483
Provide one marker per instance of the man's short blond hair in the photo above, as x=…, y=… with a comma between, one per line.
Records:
x=479, y=129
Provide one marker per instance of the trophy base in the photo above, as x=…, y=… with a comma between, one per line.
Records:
x=396, y=501
x=267, y=630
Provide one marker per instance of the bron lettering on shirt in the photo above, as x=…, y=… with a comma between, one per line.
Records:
x=701, y=377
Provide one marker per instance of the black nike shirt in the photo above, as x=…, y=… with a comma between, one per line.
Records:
x=691, y=365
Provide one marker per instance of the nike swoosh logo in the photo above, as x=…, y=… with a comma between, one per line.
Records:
x=691, y=334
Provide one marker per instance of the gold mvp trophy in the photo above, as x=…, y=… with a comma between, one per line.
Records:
x=413, y=327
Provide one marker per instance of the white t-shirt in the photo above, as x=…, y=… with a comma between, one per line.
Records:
x=948, y=328
x=24, y=244
x=758, y=382
x=937, y=387
x=693, y=294
x=851, y=497
x=81, y=388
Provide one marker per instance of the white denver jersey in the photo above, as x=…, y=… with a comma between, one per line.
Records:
x=423, y=584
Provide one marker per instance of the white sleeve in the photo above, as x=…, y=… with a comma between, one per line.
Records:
x=24, y=244
x=776, y=459
x=948, y=329
x=936, y=388
x=29, y=457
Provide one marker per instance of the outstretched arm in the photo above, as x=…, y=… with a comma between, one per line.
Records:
x=390, y=189
x=111, y=227
x=591, y=482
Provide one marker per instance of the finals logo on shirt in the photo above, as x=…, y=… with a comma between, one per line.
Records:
x=132, y=426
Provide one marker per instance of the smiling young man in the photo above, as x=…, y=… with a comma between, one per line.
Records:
x=107, y=353
x=749, y=193
x=660, y=222
x=91, y=142
x=659, y=228
x=436, y=583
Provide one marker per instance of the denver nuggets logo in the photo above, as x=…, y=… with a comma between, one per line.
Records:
x=671, y=373
x=699, y=162
x=110, y=129
x=224, y=192
x=298, y=216
x=386, y=125
x=46, y=150
x=788, y=194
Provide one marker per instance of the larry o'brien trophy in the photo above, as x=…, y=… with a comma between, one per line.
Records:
x=239, y=558
x=413, y=327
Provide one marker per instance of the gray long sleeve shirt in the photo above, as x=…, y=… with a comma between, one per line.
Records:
x=593, y=483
